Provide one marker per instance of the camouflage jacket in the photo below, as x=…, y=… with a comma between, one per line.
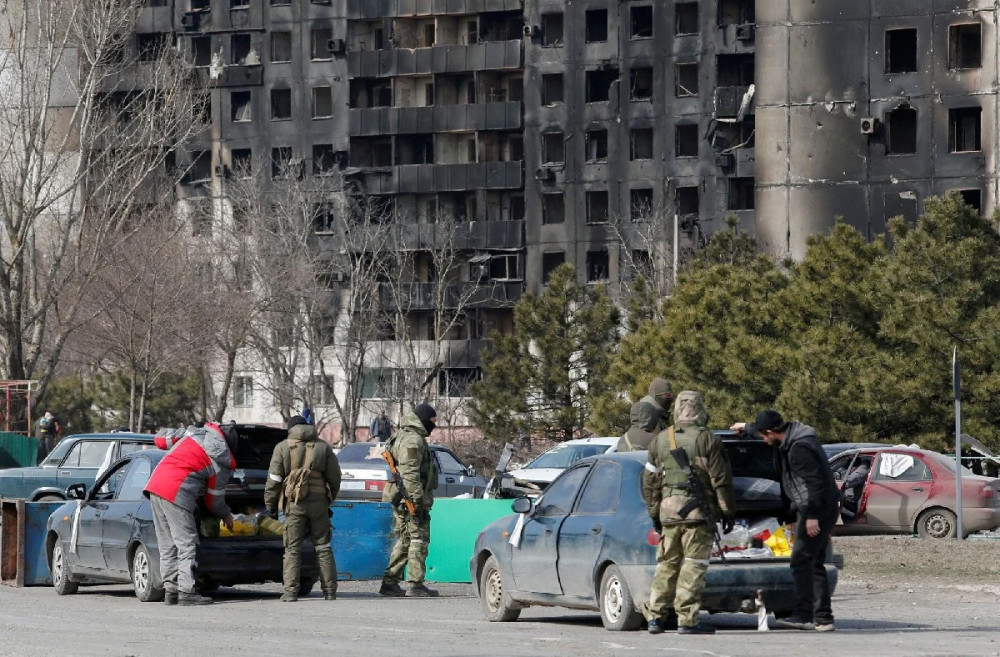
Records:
x=415, y=462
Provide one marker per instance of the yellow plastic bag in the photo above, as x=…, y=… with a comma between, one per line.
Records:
x=243, y=525
x=779, y=543
x=271, y=527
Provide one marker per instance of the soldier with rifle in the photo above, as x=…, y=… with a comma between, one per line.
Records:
x=686, y=485
x=410, y=490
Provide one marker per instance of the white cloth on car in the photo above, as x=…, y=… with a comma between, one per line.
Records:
x=893, y=465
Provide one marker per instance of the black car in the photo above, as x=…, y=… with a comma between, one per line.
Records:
x=115, y=540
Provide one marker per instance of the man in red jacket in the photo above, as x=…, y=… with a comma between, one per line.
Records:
x=200, y=464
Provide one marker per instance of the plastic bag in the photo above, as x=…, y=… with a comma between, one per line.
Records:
x=271, y=527
x=243, y=525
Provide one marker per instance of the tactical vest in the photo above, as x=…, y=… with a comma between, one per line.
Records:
x=302, y=479
x=674, y=479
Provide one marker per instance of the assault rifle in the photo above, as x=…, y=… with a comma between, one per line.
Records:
x=398, y=480
x=699, y=497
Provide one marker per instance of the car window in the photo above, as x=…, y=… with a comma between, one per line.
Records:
x=88, y=454
x=448, y=463
x=603, y=489
x=359, y=453
x=752, y=458
x=135, y=481
x=901, y=467
x=839, y=467
x=56, y=456
x=563, y=456
x=130, y=447
x=558, y=498
x=110, y=482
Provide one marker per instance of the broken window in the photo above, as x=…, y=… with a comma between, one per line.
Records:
x=322, y=102
x=241, y=162
x=973, y=198
x=641, y=147
x=686, y=140
x=552, y=30
x=686, y=80
x=642, y=22
x=551, y=262
x=597, y=207
x=150, y=46
x=901, y=51
x=429, y=36
x=319, y=48
x=281, y=104
x=240, y=106
x=736, y=12
x=239, y=4
x=553, y=148
x=281, y=46
x=201, y=167
x=597, y=25
x=965, y=46
x=553, y=208
x=901, y=131
x=429, y=94
x=641, y=83
x=741, y=193
x=552, y=88
x=274, y=3
x=505, y=267
x=964, y=129
x=597, y=145
x=686, y=18
x=239, y=48
x=201, y=51
x=598, y=266
x=324, y=159
x=735, y=70
x=418, y=149
x=281, y=161
x=640, y=204
x=599, y=85
x=687, y=200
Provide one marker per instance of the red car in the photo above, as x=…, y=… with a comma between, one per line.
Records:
x=903, y=490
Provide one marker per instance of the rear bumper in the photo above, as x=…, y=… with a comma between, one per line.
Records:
x=974, y=520
x=249, y=560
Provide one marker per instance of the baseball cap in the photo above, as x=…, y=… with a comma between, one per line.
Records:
x=768, y=420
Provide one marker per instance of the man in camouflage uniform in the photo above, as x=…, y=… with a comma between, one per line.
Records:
x=686, y=542
x=413, y=532
x=303, y=480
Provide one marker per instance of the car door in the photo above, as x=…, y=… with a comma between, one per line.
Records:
x=897, y=489
x=83, y=461
x=129, y=479
x=452, y=475
x=584, y=532
x=533, y=562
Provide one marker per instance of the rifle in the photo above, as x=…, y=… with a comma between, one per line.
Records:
x=398, y=480
x=699, y=497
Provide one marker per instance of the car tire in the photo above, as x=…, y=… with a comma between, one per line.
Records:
x=937, y=523
x=60, y=571
x=497, y=604
x=306, y=585
x=143, y=578
x=618, y=612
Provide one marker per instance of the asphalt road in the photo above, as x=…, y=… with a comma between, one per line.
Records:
x=109, y=621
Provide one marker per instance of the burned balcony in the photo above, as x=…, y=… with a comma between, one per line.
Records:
x=375, y=9
x=491, y=55
x=431, y=178
x=422, y=296
x=436, y=118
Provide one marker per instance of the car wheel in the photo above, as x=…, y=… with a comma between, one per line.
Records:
x=60, y=571
x=618, y=611
x=50, y=498
x=306, y=585
x=937, y=523
x=142, y=577
x=493, y=593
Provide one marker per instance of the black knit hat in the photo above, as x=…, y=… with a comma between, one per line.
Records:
x=426, y=412
x=294, y=420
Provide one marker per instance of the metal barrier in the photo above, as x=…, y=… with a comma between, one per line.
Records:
x=22, y=542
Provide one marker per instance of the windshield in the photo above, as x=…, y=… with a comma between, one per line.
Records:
x=56, y=456
x=358, y=453
x=563, y=456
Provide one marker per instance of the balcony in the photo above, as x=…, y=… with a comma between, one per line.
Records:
x=432, y=178
x=235, y=75
x=375, y=9
x=466, y=235
x=733, y=102
x=421, y=296
x=485, y=56
x=437, y=118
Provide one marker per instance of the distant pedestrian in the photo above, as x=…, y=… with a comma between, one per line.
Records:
x=381, y=427
x=48, y=432
x=307, y=415
x=806, y=479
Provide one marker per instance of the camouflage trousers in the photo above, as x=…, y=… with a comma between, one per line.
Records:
x=679, y=580
x=410, y=549
x=308, y=520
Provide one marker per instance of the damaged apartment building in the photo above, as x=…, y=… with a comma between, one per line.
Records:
x=550, y=129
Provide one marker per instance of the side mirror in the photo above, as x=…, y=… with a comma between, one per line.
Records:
x=470, y=471
x=77, y=491
x=522, y=505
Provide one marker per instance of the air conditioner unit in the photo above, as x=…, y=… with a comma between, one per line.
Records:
x=190, y=20
x=545, y=174
x=868, y=125
x=337, y=46
x=745, y=32
x=531, y=30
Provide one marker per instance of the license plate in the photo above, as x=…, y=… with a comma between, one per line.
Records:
x=352, y=485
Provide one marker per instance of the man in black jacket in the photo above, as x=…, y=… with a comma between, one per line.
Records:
x=808, y=482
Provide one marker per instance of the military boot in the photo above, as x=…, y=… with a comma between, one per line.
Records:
x=391, y=589
x=289, y=597
x=190, y=599
x=420, y=591
x=170, y=598
x=329, y=595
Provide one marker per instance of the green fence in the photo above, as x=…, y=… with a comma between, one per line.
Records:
x=17, y=451
x=455, y=524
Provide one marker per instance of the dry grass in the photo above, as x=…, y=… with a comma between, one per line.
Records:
x=971, y=561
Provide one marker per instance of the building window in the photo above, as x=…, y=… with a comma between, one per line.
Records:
x=598, y=266
x=599, y=85
x=597, y=207
x=239, y=4
x=201, y=4
x=641, y=83
x=553, y=148
x=281, y=47
x=964, y=129
x=552, y=30
x=686, y=140
x=901, y=131
x=241, y=162
x=324, y=160
x=552, y=88
x=319, y=48
x=642, y=22
x=686, y=18
x=280, y=3
x=736, y=12
x=242, y=391
x=281, y=104
x=553, y=208
x=686, y=80
x=973, y=198
x=201, y=167
x=597, y=25
x=687, y=200
x=322, y=102
x=597, y=145
x=150, y=46
x=965, y=46
x=239, y=48
x=281, y=161
x=741, y=193
x=201, y=51
x=640, y=204
x=240, y=106
x=550, y=262
x=641, y=146
x=901, y=51
x=505, y=267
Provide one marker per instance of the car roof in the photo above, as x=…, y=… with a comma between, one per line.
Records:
x=148, y=437
x=593, y=440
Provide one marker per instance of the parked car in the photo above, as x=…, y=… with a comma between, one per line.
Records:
x=365, y=473
x=588, y=543
x=543, y=469
x=909, y=490
x=76, y=459
x=832, y=449
x=116, y=540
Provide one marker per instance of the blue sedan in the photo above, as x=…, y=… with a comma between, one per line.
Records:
x=587, y=543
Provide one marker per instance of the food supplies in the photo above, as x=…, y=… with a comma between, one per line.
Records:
x=243, y=525
x=271, y=527
x=764, y=538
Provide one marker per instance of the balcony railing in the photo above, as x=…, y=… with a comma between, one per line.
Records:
x=423, y=296
x=437, y=118
x=432, y=178
x=375, y=9
x=485, y=56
